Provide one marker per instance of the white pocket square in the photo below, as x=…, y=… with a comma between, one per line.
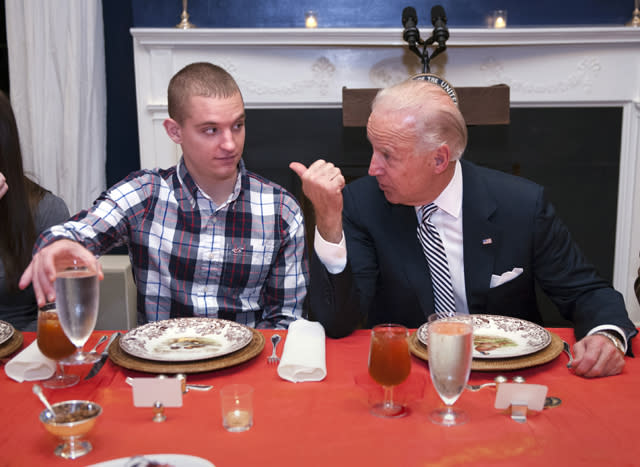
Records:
x=505, y=277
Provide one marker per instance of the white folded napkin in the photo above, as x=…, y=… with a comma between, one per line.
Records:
x=303, y=357
x=30, y=365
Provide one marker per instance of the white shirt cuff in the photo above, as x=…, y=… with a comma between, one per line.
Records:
x=332, y=255
x=611, y=327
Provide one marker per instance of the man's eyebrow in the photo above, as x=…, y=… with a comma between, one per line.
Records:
x=243, y=116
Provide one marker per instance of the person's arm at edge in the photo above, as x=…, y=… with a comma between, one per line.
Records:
x=592, y=304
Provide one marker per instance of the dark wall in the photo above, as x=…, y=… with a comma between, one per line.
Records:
x=377, y=13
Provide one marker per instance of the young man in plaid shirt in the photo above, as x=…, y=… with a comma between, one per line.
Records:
x=205, y=237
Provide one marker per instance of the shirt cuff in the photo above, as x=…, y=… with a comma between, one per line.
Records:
x=610, y=327
x=332, y=255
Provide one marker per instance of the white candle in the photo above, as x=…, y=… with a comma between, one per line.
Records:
x=310, y=20
x=237, y=420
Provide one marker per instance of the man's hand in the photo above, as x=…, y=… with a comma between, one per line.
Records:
x=3, y=185
x=322, y=183
x=41, y=272
x=597, y=356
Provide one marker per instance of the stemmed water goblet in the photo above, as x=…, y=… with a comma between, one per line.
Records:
x=54, y=345
x=450, y=344
x=389, y=365
x=77, y=295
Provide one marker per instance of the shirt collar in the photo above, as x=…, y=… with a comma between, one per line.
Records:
x=193, y=190
x=450, y=199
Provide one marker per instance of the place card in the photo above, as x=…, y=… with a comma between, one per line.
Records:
x=520, y=397
x=148, y=391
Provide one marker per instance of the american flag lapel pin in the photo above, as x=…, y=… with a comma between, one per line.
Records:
x=487, y=241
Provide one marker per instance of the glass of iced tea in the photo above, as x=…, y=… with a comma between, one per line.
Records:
x=54, y=344
x=389, y=365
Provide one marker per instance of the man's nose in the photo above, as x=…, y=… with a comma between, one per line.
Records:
x=375, y=168
x=228, y=141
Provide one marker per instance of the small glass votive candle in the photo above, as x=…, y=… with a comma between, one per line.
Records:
x=236, y=401
x=310, y=19
x=499, y=19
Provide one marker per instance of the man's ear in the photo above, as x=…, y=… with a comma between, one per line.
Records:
x=442, y=157
x=173, y=129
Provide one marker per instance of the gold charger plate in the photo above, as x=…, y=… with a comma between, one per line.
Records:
x=540, y=357
x=13, y=344
x=123, y=359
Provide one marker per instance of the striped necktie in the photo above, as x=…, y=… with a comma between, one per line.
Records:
x=433, y=248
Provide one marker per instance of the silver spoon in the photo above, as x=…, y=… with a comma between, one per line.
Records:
x=37, y=390
x=497, y=380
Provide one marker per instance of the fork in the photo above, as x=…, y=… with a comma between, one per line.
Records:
x=273, y=358
x=100, y=341
x=567, y=349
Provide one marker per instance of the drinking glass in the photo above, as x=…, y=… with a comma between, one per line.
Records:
x=450, y=344
x=77, y=294
x=54, y=345
x=389, y=365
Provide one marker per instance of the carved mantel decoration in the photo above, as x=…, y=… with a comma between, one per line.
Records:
x=307, y=68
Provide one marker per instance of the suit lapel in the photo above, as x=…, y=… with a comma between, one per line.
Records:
x=481, y=237
x=404, y=231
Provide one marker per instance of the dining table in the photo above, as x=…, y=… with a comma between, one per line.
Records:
x=328, y=423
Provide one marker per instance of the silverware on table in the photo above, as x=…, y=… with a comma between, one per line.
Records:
x=198, y=387
x=273, y=358
x=476, y=387
x=103, y=358
x=567, y=350
x=100, y=341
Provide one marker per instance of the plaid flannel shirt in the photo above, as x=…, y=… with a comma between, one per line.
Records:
x=244, y=261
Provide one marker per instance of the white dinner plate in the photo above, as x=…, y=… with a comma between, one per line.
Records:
x=185, y=339
x=177, y=460
x=501, y=336
x=6, y=331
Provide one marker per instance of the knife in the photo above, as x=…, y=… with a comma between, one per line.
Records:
x=103, y=358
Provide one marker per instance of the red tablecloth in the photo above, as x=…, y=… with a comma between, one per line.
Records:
x=328, y=423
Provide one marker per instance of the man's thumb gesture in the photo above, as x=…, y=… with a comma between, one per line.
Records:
x=298, y=168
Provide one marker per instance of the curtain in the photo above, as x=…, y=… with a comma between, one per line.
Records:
x=58, y=93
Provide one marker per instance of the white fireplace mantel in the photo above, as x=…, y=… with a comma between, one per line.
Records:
x=307, y=68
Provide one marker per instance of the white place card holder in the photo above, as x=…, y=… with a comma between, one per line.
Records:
x=520, y=397
x=148, y=391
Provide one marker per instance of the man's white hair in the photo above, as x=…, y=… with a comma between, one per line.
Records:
x=438, y=120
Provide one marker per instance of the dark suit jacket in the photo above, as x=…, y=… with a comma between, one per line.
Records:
x=387, y=277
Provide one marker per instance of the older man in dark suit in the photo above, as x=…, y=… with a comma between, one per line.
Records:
x=498, y=233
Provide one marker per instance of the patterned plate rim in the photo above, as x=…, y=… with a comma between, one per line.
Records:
x=128, y=341
x=6, y=331
x=421, y=332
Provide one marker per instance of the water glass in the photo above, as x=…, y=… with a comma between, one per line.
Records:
x=450, y=344
x=77, y=297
